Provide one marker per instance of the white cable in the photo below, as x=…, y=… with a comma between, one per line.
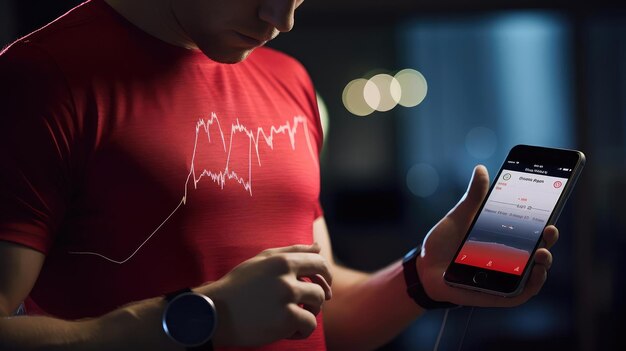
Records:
x=466, y=327
x=443, y=325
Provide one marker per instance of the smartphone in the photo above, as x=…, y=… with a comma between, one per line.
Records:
x=528, y=194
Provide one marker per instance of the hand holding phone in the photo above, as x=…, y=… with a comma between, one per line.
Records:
x=443, y=242
x=497, y=254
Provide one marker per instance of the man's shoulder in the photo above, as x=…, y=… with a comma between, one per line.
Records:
x=64, y=30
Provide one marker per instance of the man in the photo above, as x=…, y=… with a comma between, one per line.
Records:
x=150, y=146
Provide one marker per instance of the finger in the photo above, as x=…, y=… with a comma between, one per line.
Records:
x=533, y=285
x=544, y=258
x=319, y=280
x=469, y=204
x=313, y=248
x=303, y=321
x=535, y=282
x=311, y=296
x=310, y=264
x=550, y=236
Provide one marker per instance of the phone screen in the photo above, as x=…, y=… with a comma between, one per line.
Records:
x=512, y=219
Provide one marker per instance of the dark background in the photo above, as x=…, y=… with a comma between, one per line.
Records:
x=499, y=73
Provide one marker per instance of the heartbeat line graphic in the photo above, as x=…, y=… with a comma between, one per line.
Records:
x=224, y=175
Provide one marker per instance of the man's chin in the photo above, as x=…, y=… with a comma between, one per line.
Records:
x=228, y=58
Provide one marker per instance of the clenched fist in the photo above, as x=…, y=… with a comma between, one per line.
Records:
x=274, y=295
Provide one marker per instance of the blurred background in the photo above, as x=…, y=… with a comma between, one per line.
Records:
x=498, y=73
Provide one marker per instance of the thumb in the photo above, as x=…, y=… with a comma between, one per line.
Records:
x=469, y=204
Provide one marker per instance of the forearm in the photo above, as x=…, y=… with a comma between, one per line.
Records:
x=370, y=310
x=133, y=327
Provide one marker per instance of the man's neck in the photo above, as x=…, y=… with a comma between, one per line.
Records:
x=154, y=17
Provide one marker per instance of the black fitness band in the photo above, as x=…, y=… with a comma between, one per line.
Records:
x=414, y=286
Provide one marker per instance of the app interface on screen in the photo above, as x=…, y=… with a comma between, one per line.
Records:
x=513, y=217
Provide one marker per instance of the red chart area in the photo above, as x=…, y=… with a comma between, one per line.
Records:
x=493, y=256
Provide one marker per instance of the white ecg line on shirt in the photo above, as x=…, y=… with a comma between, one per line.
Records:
x=222, y=176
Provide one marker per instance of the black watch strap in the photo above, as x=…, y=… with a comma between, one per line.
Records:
x=169, y=297
x=414, y=286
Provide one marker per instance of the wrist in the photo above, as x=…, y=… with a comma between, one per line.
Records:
x=189, y=319
x=85, y=334
x=420, y=267
x=133, y=327
x=221, y=338
x=413, y=275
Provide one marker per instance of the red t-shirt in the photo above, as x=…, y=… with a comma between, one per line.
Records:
x=139, y=167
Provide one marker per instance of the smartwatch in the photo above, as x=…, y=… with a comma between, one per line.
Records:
x=414, y=286
x=190, y=319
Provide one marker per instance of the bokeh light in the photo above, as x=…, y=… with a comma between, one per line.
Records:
x=413, y=86
x=382, y=92
x=481, y=142
x=422, y=180
x=354, y=99
x=371, y=94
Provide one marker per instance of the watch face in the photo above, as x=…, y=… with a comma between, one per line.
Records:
x=189, y=319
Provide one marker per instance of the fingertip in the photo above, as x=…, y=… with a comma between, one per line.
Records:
x=551, y=229
x=550, y=235
x=480, y=168
x=479, y=184
x=321, y=281
x=543, y=257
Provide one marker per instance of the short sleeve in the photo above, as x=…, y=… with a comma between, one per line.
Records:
x=36, y=138
x=319, y=212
